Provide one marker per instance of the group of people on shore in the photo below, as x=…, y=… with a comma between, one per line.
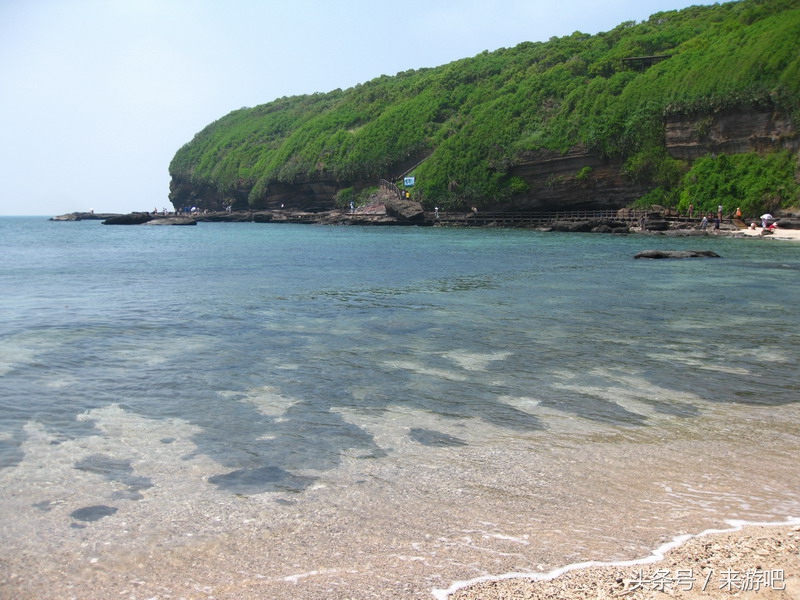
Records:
x=768, y=222
x=710, y=217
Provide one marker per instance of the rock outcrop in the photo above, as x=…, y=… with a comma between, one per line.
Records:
x=171, y=221
x=136, y=218
x=576, y=180
x=689, y=137
x=404, y=209
x=141, y=218
x=580, y=179
x=84, y=216
x=588, y=226
x=306, y=194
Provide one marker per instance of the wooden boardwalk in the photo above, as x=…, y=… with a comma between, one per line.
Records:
x=531, y=218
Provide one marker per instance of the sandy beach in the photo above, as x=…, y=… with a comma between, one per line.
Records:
x=755, y=561
x=778, y=234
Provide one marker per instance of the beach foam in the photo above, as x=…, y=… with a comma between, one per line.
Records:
x=656, y=555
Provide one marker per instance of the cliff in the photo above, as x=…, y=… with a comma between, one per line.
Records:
x=555, y=183
x=306, y=194
x=554, y=180
x=730, y=132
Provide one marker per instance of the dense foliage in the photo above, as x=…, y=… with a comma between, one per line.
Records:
x=461, y=126
x=750, y=182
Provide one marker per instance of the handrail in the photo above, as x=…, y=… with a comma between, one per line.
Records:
x=391, y=186
x=411, y=168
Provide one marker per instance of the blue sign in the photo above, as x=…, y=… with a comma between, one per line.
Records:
x=408, y=181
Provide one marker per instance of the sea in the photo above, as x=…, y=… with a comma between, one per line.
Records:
x=249, y=410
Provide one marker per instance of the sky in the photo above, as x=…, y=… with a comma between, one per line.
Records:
x=96, y=96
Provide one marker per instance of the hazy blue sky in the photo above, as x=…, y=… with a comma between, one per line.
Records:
x=97, y=95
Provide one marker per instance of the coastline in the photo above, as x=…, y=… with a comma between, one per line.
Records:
x=373, y=216
x=749, y=560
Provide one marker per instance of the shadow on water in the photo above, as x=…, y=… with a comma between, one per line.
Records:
x=93, y=513
x=429, y=437
x=119, y=471
x=261, y=479
x=596, y=409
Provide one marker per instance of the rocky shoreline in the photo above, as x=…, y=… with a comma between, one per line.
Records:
x=381, y=214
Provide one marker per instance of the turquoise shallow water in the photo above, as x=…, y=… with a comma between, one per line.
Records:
x=313, y=372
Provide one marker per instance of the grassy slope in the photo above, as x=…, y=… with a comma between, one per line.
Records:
x=475, y=117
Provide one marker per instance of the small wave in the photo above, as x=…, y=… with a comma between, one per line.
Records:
x=419, y=369
x=657, y=555
x=475, y=361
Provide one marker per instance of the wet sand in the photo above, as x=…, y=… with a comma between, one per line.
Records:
x=395, y=529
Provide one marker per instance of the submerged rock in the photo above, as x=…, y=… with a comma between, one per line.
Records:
x=93, y=513
x=429, y=437
x=677, y=254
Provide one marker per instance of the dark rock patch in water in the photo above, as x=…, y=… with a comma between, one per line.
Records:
x=112, y=469
x=654, y=254
x=429, y=437
x=260, y=480
x=599, y=410
x=93, y=513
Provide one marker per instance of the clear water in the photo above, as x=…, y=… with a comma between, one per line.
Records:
x=385, y=409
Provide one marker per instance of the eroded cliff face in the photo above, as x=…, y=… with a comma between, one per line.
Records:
x=556, y=183
x=307, y=195
x=577, y=180
x=185, y=194
x=729, y=132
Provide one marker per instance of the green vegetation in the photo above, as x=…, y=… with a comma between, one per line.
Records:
x=469, y=122
x=748, y=181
